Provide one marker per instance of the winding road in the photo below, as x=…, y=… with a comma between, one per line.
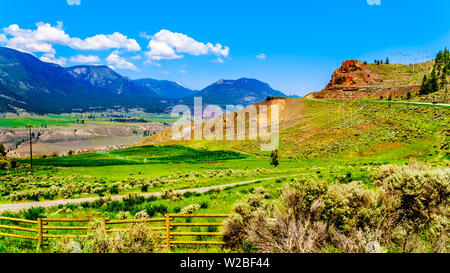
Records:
x=46, y=204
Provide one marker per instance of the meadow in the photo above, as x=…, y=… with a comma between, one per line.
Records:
x=74, y=119
x=335, y=142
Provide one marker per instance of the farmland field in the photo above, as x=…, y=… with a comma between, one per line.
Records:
x=61, y=134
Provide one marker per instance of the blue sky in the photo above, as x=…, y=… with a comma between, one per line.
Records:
x=292, y=45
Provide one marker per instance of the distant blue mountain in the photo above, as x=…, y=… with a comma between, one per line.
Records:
x=27, y=83
x=243, y=91
x=165, y=89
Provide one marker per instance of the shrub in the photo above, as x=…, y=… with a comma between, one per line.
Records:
x=235, y=229
x=34, y=213
x=407, y=212
x=144, y=188
x=171, y=195
x=142, y=215
x=133, y=200
x=190, y=209
x=115, y=206
x=419, y=201
x=154, y=209
x=114, y=189
x=187, y=194
x=123, y=215
x=138, y=238
x=176, y=209
x=14, y=164
x=4, y=164
x=204, y=204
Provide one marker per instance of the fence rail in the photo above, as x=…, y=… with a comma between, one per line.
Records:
x=170, y=224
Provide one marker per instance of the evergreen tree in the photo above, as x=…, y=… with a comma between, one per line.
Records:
x=439, y=60
x=433, y=84
x=424, y=87
x=274, y=158
x=444, y=77
x=438, y=77
x=387, y=60
x=447, y=60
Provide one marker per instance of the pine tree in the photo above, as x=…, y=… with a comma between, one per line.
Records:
x=433, y=84
x=447, y=60
x=387, y=60
x=444, y=77
x=439, y=60
x=424, y=87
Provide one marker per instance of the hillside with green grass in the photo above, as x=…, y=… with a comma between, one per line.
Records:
x=340, y=129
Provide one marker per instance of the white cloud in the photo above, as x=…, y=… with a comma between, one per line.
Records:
x=167, y=45
x=218, y=49
x=74, y=2
x=261, y=56
x=39, y=40
x=182, y=71
x=50, y=58
x=104, y=42
x=117, y=61
x=161, y=51
x=45, y=35
x=181, y=42
x=85, y=59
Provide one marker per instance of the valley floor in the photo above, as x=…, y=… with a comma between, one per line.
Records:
x=337, y=142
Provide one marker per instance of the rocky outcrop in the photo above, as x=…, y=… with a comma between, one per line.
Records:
x=352, y=73
x=356, y=80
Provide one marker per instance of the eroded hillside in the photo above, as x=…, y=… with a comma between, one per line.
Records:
x=356, y=80
x=324, y=129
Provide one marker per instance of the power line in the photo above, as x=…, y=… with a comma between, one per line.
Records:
x=31, y=148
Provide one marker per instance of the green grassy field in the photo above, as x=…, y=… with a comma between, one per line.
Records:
x=66, y=120
x=331, y=135
x=334, y=140
x=220, y=202
x=36, y=122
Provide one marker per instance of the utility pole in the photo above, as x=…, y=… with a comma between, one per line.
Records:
x=31, y=149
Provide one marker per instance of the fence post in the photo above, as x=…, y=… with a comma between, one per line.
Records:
x=168, y=231
x=105, y=223
x=39, y=229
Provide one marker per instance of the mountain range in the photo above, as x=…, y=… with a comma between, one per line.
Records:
x=29, y=84
x=243, y=91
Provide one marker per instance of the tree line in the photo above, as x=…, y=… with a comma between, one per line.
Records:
x=438, y=78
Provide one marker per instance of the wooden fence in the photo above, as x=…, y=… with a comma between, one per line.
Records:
x=172, y=226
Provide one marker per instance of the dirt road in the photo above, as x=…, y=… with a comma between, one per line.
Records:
x=46, y=204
